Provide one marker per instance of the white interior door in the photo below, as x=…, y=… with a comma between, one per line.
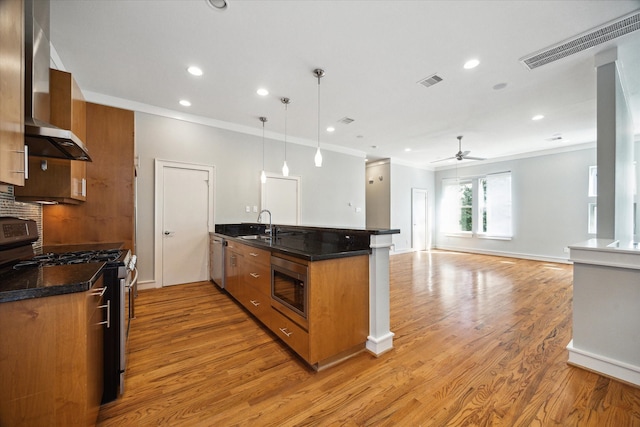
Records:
x=184, y=231
x=420, y=220
x=281, y=195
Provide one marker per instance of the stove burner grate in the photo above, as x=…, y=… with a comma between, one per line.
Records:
x=66, y=258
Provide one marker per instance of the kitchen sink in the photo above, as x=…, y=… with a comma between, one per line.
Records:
x=256, y=237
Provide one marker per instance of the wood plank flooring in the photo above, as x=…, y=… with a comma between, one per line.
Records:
x=480, y=341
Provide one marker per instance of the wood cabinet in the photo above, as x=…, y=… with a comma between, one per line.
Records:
x=51, y=359
x=108, y=213
x=254, y=279
x=60, y=180
x=337, y=323
x=12, y=152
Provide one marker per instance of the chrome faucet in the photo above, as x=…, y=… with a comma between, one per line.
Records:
x=268, y=230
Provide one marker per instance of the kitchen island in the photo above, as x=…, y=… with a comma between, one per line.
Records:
x=606, y=308
x=321, y=290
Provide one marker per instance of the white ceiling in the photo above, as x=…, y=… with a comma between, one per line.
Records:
x=373, y=53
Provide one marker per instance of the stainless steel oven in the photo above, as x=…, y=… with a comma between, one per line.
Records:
x=289, y=288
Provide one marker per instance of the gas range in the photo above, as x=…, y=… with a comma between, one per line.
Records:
x=62, y=269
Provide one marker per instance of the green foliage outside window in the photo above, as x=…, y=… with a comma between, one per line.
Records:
x=466, y=214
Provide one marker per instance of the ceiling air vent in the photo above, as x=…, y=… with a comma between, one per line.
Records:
x=591, y=38
x=345, y=120
x=431, y=80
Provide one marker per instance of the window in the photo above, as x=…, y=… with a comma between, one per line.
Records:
x=457, y=205
x=494, y=204
x=486, y=198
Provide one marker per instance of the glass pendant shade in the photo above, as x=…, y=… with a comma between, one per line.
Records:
x=318, y=158
x=285, y=168
x=319, y=73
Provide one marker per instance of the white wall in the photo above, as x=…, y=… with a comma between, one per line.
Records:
x=549, y=199
x=237, y=158
x=378, y=194
x=403, y=180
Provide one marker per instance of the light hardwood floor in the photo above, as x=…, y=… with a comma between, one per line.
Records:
x=480, y=341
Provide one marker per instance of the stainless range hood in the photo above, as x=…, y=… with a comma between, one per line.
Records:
x=43, y=138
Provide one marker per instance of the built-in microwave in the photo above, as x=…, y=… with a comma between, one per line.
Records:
x=289, y=293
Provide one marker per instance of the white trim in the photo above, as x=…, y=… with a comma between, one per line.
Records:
x=606, y=366
x=504, y=254
x=463, y=234
x=379, y=345
x=159, y=203
x=484, y=236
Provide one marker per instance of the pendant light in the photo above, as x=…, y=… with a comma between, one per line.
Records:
x=319, y=73
x=285, y=168
x=263, y=176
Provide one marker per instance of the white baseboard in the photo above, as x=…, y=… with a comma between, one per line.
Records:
x=606, y=366
x=379, y=345
x=506, y=254
x=148, y=284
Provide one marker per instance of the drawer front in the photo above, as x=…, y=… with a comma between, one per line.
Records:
x=292, y=334
x=257, y=256
x=258, y=277
x=257, y=303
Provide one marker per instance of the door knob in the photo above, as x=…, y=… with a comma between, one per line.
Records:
x=167, y=233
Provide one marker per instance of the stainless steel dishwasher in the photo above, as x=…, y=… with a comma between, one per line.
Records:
x=217, y=260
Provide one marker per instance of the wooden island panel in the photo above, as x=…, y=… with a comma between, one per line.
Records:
x=338, y=307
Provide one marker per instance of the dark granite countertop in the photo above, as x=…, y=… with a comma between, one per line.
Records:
x=40, y=282
x=309, y=243
x=37, y=282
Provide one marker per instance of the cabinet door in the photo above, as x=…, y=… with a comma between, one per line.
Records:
x=12, y=153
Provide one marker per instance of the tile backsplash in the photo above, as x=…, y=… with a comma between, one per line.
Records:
x=9, y=207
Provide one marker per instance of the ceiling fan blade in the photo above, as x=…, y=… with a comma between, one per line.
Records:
x=464, y=153
x=473, y=158
x=442, y=160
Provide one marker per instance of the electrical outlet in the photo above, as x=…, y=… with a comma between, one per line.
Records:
x=566, y=250
x=255, y=209
x=247, y=209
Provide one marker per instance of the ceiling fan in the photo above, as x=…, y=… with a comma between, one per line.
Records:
x=461, y=155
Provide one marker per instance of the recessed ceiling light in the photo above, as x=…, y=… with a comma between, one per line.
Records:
x=262, y=92
x=499, y=86
x=330, y=129
x=218, y=4
x=185, y=103
x=472, y=63
x=196, y=71
x=537, y=117
x=407, y=149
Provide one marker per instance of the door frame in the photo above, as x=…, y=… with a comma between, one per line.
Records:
x=427, y=231
x=159, y=203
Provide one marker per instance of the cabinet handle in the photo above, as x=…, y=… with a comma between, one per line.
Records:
x=284, y=331
x=108, y=307
x=253, y=254
x=255, y=303
x=99, y=292
x=83, y=188
x=254, y=275
x=25, y=171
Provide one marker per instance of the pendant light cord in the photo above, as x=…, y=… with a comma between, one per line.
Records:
x=319, y=75
x=286, y=105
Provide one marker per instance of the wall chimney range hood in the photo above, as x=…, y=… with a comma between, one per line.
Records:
x=43, y=138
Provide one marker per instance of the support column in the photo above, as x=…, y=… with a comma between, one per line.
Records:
x=380, y=337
